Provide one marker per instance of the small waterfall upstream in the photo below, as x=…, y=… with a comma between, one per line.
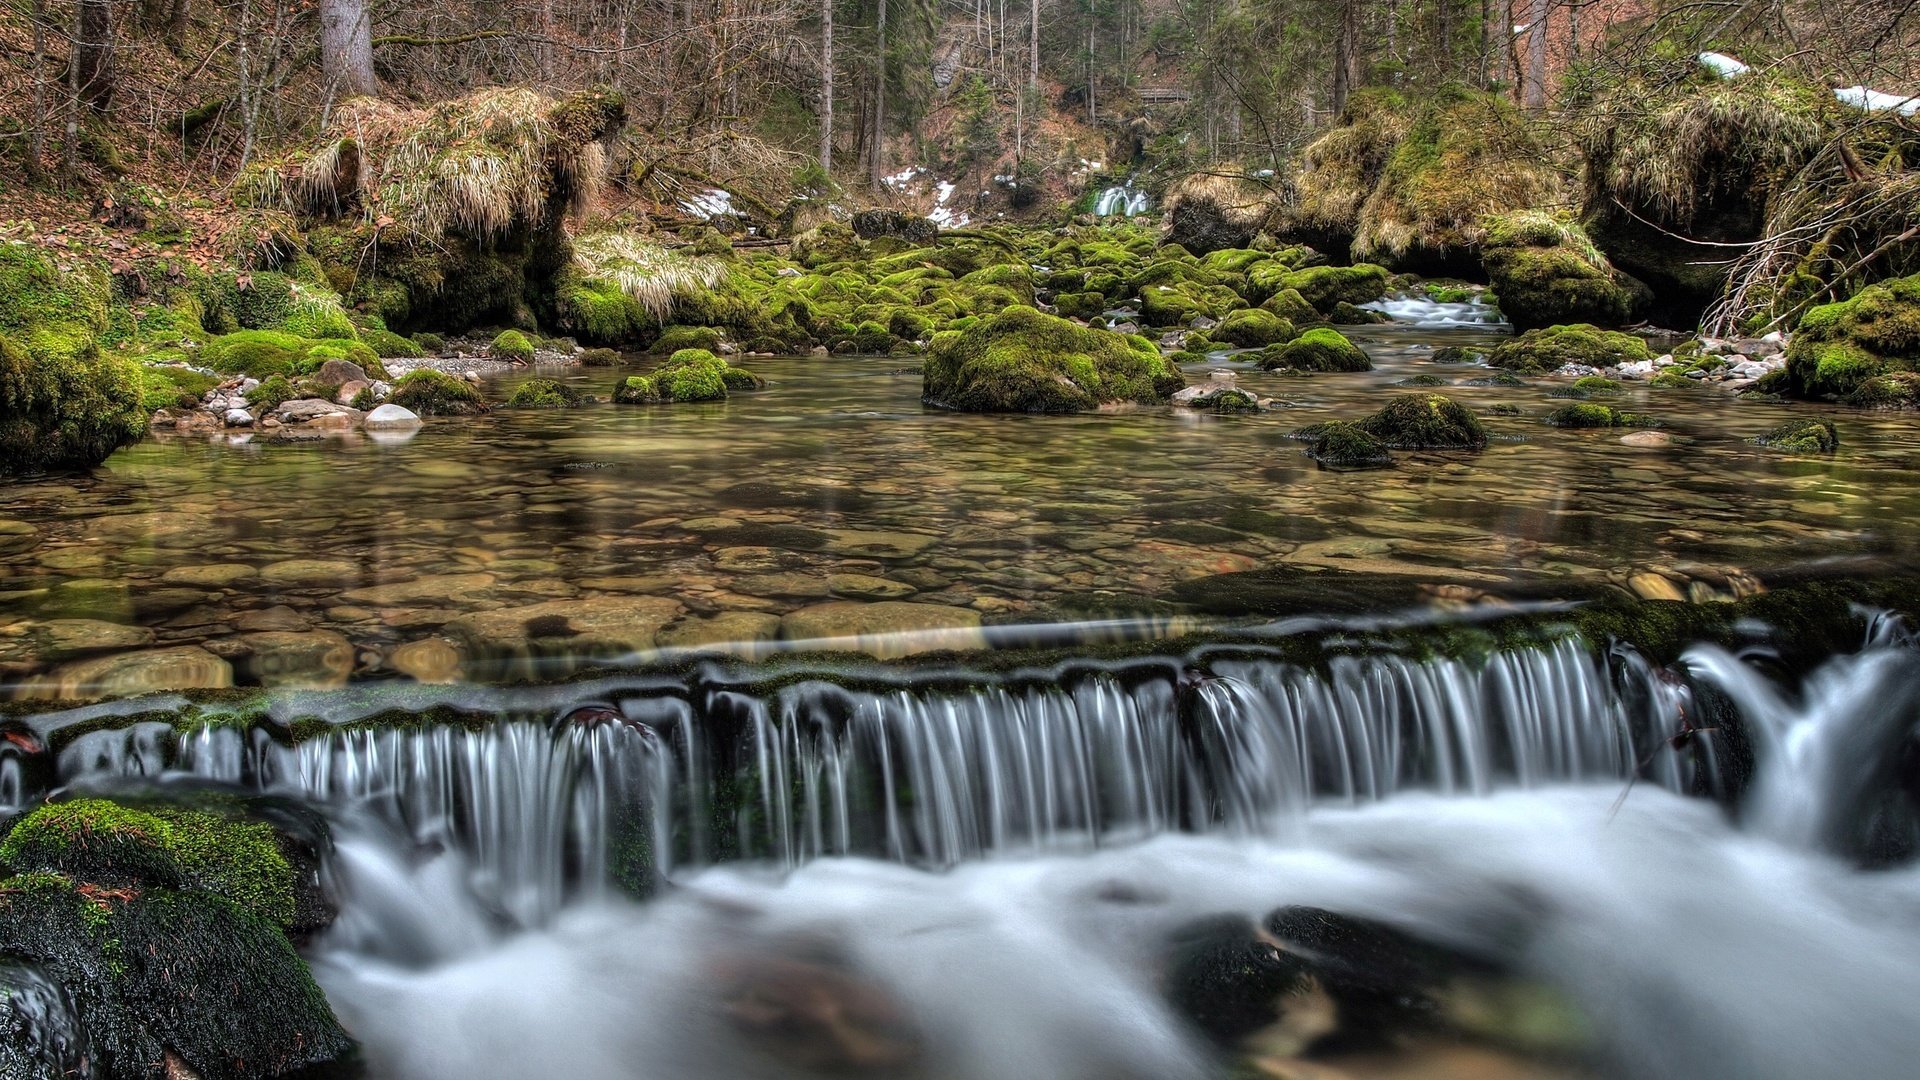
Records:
x=553, y=802
x=1122, y=200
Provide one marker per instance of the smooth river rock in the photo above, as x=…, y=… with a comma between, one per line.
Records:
x=884, y=630
x=187, y=667
x=600, y=627
x=391, y=418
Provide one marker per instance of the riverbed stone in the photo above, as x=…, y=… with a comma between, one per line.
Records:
x=428, y=660
x=391, y=418
x=875, y=544
x=305, y=660
x=186, y=667
x=280, y=618
x=865, y=587
x=303, y=572
x=217, y=575
x=594, y=627
x=739, y=633
x=886, y=629
x=61, y=638
x=431, y=589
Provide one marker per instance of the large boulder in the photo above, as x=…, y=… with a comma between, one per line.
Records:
x=876, y=224
x=1320, y=349
x=1426, y=422
x=1547, y=273
x=164, y=929
x=64, y=404
x=1024, y=361
x=1855, y=349
x=1213, y=211
x=1538, y=352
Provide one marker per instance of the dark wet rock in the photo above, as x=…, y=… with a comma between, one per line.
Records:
x=1425, y=422
x=1340, y=445
x=1228, y=979
x=165, y=929
x=1809, y=435
x=875, y=224
x=809, y=1008
x=1457, y=354
x=338, y=373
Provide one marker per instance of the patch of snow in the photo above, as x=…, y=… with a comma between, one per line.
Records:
x=1723, y=65
x=709, y=204
x=1877, y=101
x=948, y=218
x=1522, y=28
x=942, y=192
x=902, y=178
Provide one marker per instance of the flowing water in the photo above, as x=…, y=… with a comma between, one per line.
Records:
x=1648, y=859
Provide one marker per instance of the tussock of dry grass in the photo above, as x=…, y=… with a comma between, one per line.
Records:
x=652, y=275
x=1239, y=200
x=480, y=165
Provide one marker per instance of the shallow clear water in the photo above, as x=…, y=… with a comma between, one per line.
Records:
x=836, y=484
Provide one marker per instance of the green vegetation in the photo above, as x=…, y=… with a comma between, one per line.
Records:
x=1547, y=273
x=511, y=345
x=1341, y=445
x=1538, y=352
x=1838, y=348
x=1319, y=349
x=1425, y=422
x=1252, y=328
x=692, y=375
x=543, y=394
x=64, y=403
x=1024, y=361
x=1804, y=436
x=434, y=393
x=1588, y=414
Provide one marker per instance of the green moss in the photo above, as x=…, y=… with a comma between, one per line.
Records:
x=675, y=338
x=256, y=353
x=1178, y=305
x=1422, y=380
x=153, y=969
x=99, y=841
x=1673, y=378
x=1080, y=305
x=635, y=390
x=1319, y=349
x=542, y=394
x=1588, y=414
x=435, y=393
x=272, y=392
x=599, y=358
x=386, y=343
x=430, y=344
x=1024, y=361
x=1547, y=273
x=909, y=325
x=63, y=402
x=1837, y=347
x=1425, y=422
x=741, y=379
x=1253, y=328
x=1324, y=287
x=1808, y=435
x=1341, y=445
x=511, y=345
x=173, y=386
x=1538, y=352
x=1596, y=384
x=1894, y=390
x=692, y=375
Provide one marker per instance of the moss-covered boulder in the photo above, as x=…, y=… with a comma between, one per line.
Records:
x=63, y=402
x=1252, y=328
x=1547, y=273
x=513, y=346
x=1837, y=348
x=262, y=354
x=1809, y=435
x=1408, y=178
x=1342, y=445
x=636, y=390
x=1024, y=361
x=692, y=375
x=435, y=393
x=165, y=929
x=1320, y=349
x=1538, y=352
x=543, y=394
x=1426, y=422
x=1325, y=288
x=1592, y=414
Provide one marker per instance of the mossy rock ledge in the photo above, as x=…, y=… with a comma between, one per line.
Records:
x=64, y=404
x=165, y=928
x=1547, y=273
x=1856, y=350
x=1543, y=351
x=1021, y=360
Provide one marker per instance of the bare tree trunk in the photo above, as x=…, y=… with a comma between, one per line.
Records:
x=177, y=24
x=826, y=86
x=70, y=148
x=879, y=147
x=37, y=122
x=1346, y=53
x=1093, y=109
x=93, y=52
x=1534, y=93
x=346, y=46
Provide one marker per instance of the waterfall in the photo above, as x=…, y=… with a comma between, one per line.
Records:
x=1122, y=199
x=931, y=773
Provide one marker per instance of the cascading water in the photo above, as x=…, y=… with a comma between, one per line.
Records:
x=1427, y=313
x=965, y=875
x=1123, y=200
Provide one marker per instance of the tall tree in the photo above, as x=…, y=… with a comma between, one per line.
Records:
x=1346, y=53
x=826, y=85
x=346, y=47
x=93, y=51
x=1534, y=85
x=879, y=147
